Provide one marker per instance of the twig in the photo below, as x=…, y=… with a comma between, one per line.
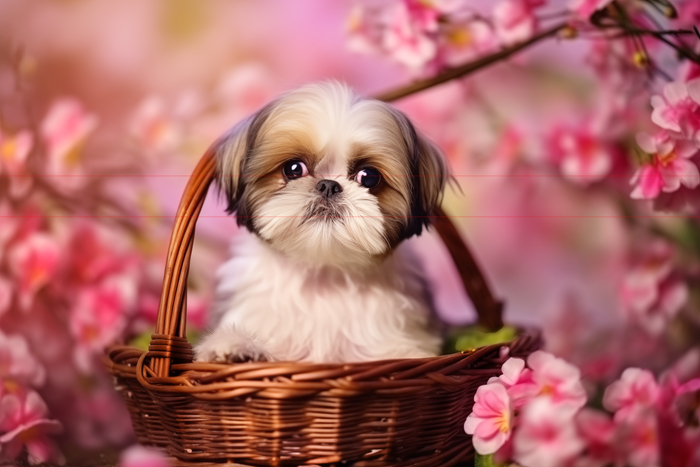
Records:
x=467, y=68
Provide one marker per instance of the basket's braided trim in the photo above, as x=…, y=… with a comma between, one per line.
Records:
x=213, y=381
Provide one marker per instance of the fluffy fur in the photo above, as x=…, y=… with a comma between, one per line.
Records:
x=323, y=279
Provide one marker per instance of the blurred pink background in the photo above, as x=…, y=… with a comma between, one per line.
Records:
x=164, y=78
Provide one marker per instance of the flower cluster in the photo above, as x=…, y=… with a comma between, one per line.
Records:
x=24, y=418
x=67, y=289
x=669, y=173
x=430, y=35
x=535, y=415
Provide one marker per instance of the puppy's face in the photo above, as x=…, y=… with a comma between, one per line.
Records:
x=328, y=178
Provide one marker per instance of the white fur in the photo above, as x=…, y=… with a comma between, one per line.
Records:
x=276, y=309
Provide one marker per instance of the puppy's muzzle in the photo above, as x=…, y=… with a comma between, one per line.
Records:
x=329, y=188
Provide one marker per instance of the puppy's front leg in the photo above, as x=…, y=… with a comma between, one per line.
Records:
x=229, y=344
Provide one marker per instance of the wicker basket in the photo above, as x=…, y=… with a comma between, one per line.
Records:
x=386, y=413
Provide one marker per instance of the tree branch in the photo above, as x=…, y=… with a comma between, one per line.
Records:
x=467, y=68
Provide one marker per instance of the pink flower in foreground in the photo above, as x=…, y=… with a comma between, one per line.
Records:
x=558, y=380
x=635, y=389
x=23, y=423
x=65, y=129
x=670, y=166
x=678, y=109
x=14, y=151
x=33, y=262
x=651, y=294
x=491, y=420
x=546, y=435
x=515, y=20
x=517, y=380
x=585, y=8
x=141, y=456
x=17, y=363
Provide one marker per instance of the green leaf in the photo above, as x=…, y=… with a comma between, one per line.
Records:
x=473, y=337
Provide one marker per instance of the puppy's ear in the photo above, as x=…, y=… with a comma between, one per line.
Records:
x=429, y=175
x=233, y=150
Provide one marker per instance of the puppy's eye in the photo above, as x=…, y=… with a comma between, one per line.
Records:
x=295, y=169
x=369, y=177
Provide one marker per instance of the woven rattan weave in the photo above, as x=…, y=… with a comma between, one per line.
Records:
x=407, y=412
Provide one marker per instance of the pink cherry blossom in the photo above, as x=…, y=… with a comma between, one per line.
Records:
x=65, y=130
x=153, y=127
x=407, y=38
x=14, y=151
x=669, y=168
x=639, y=437
x=33, y=262
x=557, y=379
x=491, y=420
x=636, y=388
x=601, y=436
x=23, y=423
x=365, y=29
x=585, y=8
x=92, y=255
x=678, y=109
x=99, y=317
x=584, y=153
x=17, y=363
x=464, y=37
x=518, y=381
x=651, y=293
x=142, y=456
x=515, y=20
x=546, y=435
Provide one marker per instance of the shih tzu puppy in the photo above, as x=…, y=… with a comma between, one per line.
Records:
x=329, y=184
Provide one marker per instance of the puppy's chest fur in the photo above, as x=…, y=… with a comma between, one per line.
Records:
x=281, y=309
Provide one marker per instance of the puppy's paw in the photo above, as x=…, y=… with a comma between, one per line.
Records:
x=228, y=345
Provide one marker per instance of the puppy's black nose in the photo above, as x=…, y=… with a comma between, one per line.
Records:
x=329, y=188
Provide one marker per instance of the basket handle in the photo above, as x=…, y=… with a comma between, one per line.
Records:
x=169, y=340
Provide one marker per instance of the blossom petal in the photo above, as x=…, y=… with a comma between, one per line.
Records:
x=485, y=446
x=646, y=142
x=512, y=369
x=650, y=183
x=471, y=423
x=673, y=297
x=687, y=173
x=675, y=91
x=694, y=89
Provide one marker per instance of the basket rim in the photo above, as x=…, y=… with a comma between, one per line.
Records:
x=219, y=381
